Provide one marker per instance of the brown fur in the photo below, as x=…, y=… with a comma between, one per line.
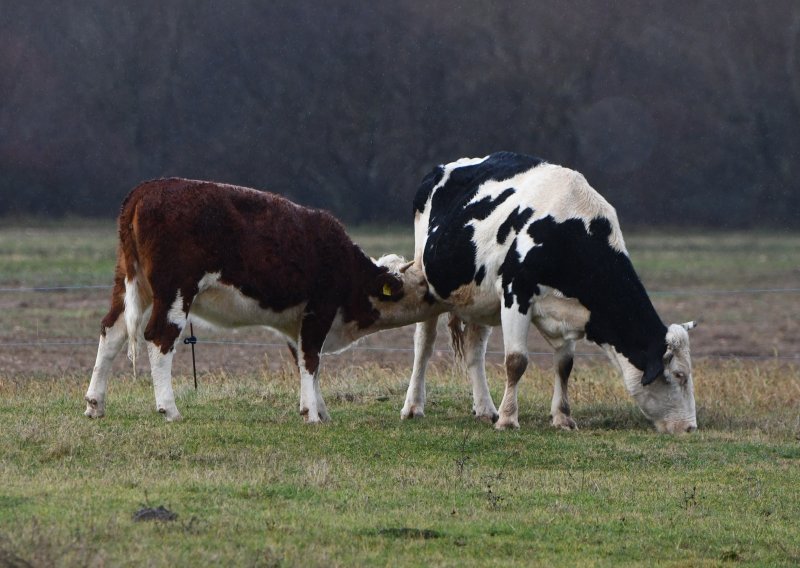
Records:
x=174, y=231
x=516, y=363
x=457, y=337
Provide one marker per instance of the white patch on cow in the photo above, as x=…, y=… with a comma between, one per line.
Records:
x=341, y=336
x=176, y=314
x=161, y=371
x=548, y=190
x=207, y=281
x=133, y=317
x=524, y=244
x=312, y=405
x=223, y=305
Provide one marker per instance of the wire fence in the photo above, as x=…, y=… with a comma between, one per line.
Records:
x=696, y=292
x=61, y=342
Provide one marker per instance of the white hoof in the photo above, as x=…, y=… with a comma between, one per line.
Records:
x=507, y=423
x=171, y=414
x=488, y=415
x=412, y=411
x=95, y=407
x=564, y=422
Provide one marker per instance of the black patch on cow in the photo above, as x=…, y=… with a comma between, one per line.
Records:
x=515, y=221
x=480, y=275
x=453, y=241
x=449, y=254
x=583, y=265
x=425, y=188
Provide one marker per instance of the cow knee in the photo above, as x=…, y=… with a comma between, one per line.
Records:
x=516, y=363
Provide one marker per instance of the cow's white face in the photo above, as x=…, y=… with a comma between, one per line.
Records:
x=415, y=303
x=669, y=400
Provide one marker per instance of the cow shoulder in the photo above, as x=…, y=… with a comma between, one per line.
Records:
x=457, y=202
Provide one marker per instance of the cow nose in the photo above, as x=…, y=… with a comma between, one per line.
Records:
x=690, y=429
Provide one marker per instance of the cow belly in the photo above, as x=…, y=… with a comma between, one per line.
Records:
x=476, y=304
x=225, y=306
x=558, y=318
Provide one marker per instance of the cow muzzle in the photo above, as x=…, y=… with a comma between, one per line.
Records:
x=676, y=426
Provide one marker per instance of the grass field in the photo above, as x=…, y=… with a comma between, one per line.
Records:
x=252, y=485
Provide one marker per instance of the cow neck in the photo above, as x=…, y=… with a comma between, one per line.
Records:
x=357, y=306
x=629, y=322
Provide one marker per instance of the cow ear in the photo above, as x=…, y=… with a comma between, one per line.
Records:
x=388, y=287
x=655, y=369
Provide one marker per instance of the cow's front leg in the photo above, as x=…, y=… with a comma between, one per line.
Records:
x=314, y=329
x=424, y=338
x=515, y=339
x=475, y=340
x=560, y=409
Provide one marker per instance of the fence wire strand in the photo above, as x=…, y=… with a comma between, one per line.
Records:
x=279, y=345
x=66, y=342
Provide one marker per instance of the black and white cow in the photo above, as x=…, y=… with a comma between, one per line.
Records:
x=511, y=240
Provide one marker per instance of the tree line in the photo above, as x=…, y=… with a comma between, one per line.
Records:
x=681, y=113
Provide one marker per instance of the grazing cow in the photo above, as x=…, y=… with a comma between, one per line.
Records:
x=511, y=240
x=232, y=256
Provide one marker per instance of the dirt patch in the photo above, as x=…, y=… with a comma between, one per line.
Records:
x=47, y=335
x=159, y=513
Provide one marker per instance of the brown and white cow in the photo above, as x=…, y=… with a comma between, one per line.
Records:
x=232, y=256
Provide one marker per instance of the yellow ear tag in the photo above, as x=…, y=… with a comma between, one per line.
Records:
x=387, y=290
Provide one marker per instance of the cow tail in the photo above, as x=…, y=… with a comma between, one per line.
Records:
x=134, y=290
x=457, y=330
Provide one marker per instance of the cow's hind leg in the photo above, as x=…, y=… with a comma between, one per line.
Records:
x=165, y=326
x=515, y=339
x=424, y=338
x=112, y=338
x=475, y=339
x=560, y=409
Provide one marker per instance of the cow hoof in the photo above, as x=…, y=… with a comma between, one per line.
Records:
x=564, y=422
x=507, y=424
x=93, y=413
x=170, y=415
x=94, y=407
x=412, y=412
x=490, y=416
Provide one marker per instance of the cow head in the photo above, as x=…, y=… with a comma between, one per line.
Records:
x=401, y=293
x=666, y=393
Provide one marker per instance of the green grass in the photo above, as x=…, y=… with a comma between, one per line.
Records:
x=253, y=485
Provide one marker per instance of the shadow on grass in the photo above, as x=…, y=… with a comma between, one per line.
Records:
x=405, y=533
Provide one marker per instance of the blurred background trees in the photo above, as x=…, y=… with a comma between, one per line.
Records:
x=680, y=113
